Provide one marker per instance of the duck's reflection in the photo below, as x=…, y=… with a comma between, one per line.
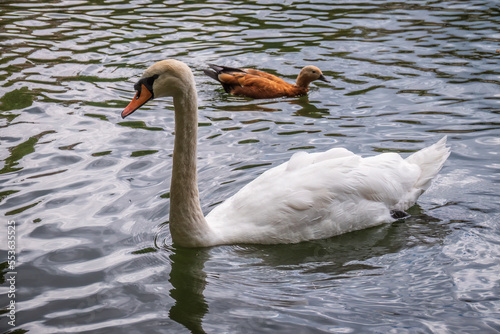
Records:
x=301, y=106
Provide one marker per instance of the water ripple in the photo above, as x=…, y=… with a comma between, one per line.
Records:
x=90, y=192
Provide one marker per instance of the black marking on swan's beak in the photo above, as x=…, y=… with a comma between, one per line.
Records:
x=144, y=88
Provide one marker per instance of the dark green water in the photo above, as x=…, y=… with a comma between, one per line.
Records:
x=87, y=191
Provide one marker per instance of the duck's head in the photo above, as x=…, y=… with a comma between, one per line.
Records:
x=165, y=78
x=309, y=74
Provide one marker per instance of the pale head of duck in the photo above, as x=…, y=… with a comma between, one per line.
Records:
x=309, y=74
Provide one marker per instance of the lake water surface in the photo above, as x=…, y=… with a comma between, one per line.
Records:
x=88, y=192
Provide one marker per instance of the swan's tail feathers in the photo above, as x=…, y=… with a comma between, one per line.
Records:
x=430, y=160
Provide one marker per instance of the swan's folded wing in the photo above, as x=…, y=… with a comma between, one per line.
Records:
x=317, y=196
x=292, y=201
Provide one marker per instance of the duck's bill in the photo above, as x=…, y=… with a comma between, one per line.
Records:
x=141, y=97
x=322, y=78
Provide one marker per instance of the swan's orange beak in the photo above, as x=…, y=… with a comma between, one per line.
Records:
x=142, y=96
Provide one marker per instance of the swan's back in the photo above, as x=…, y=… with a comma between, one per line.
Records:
x=320, y=195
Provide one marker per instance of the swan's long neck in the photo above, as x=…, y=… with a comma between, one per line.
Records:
x=187, y=223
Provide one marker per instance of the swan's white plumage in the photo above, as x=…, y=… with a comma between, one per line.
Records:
x=312, y=196
x=320, y=195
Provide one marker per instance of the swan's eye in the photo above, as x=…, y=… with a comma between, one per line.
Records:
x=147, y=82
x=137, y=86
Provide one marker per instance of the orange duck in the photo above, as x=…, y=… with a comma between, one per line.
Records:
x=261, y=85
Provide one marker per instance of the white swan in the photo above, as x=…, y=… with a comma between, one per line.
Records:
x=312, y=196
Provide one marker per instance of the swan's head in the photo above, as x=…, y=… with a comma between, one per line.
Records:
x=165, y=78
x=310, y=73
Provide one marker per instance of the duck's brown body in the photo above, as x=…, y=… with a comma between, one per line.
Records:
x=261, y=85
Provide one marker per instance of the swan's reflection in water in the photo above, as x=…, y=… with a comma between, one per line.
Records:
x=337, y=258
x=188, y=281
